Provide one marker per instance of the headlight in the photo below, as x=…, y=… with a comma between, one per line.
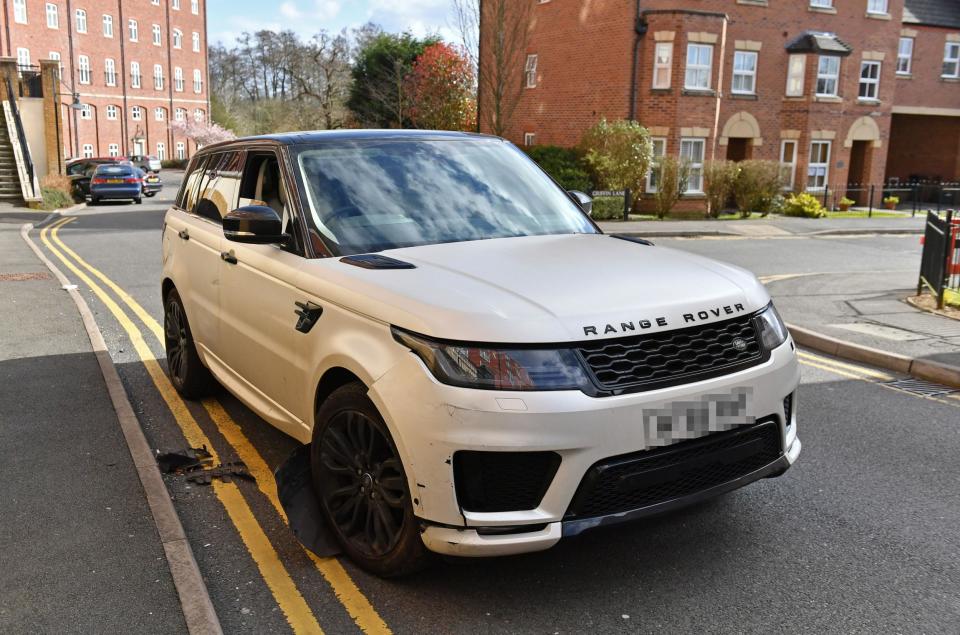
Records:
x=499, y=368
x=773, y=332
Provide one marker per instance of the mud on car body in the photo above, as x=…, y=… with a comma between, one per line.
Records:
x=424, y=308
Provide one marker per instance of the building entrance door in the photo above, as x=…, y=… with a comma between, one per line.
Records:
x=859, y=173
x=738, y=149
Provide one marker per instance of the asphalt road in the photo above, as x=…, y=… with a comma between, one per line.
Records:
x=860, y=536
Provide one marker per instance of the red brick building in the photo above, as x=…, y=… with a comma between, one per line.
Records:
x=135, y=66
x=838, y=91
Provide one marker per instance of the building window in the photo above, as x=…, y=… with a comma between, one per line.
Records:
x=113, y=150
x=81, y=21
x=904, y=56
x=823, y=4
x=86, y=112
x=159, y=114
x=161, y=151
x=107, y=26
x=23, y=57
x=109, y=72
x=181, y=150
x=878, y=7
x=134, y=29
x=135, y=74
x=112, y=112
x=136, y=113
x=530, y=71
x=87, y=151
x=155, y=3
x=869, y=81
x=699, y=62
x=177, y=38
x=828, y=74
x=20, y=11
x=659, y=151
x=198, y=114
x=180, y=114
x=196, y=41
x=529, y=139
x=796, y=69
x=53, y=16
x=744, y=73
x=788, y=163
x=951, y=59
x=819, y=166
x=195, y=7
x=662, y=63
x=691, y=152
x=55, y=55
x=175, y=5
x=178, y=79
x=157, y=77
x=83, y=69
x=197, y=81
x=156, y=34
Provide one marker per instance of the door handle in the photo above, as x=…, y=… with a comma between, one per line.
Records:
x=309, y=314
x=183, y=233
x=227, y=256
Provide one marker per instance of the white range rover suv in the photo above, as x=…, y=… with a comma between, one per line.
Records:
x=479, y=369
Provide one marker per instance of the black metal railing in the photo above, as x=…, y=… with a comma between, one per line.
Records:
x=940, y=262
x=22, y=140
x=911, y=197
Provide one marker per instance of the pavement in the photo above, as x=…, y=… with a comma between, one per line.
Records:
x=80, y=548
x=770, y=226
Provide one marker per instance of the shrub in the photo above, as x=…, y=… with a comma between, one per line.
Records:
x=607, y=208
x=57, y=191
x=174, y=164
x=756, y=185
x=619, y=154
x=674, y=175
x=806, y=205
x=718, y=180
x=847, y=201
x=564, y=165
x=892, y=200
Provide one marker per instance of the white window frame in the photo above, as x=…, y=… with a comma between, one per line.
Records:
x=53, y=16
x=198, y=114
x=161, y=150
x=195, y=7
x=878, y=7
x=697, y=69
x=107, y=25
x=136, y=76
x=80, y=16
x=23, y=56
x=87, y=151
x=530, y=71
x=195, y=37
x=180, y=114
x=113, y=150
x=529, y=139
x=83, y=69
x=662, y=65
x=695, y=166
x=133, y=27
x=109, y=72
x=181, y=150
x=159, y=114
x=951, y=56
x=157, y=34
x=814, y=168
x=197, y=81
x=904, y=57
x=55, y=55
x=788, y=163
x=822, y=4
x=748, y=73
x=796, y=75
x=86, y=112
x=178, y=79
x=136, y=113
x=112, y=112
x=177, y=38
x=157, y=77
x=20, y=11
x=870, y=84
x=175, y=5
x=828, y=75
x=659, y=145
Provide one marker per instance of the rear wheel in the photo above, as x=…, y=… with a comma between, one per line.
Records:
x=138, y=200
x=187, y=373
x=361, y=486
x=94, y=200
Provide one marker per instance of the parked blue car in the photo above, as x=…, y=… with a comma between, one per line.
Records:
x=116, y=182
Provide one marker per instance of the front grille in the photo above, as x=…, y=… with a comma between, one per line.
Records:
x=503, y=481
x=642, y=479
x=661, y=359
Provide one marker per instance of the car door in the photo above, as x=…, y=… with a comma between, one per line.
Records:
x=259, y=298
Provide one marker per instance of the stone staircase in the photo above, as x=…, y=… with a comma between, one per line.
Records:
x=10, y=191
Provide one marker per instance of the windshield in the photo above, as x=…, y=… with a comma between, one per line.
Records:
x=367, y=196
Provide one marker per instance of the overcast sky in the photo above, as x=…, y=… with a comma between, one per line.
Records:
x=229, y=18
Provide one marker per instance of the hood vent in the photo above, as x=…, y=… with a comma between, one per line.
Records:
x=376, y=261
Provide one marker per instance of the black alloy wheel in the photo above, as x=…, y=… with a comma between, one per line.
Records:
x=187, y=373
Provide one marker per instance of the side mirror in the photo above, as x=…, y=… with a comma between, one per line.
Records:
x=255, y=224
x=583, y=200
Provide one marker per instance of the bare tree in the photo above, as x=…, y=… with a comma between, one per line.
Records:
x=322, y=76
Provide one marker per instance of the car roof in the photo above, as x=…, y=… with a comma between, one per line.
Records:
x=113, y=166
x=321, y=136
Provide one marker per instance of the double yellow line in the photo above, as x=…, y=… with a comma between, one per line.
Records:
x=275, y=575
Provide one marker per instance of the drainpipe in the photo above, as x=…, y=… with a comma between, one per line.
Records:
x=640, y=29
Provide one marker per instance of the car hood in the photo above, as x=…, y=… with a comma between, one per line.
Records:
x=539, y=289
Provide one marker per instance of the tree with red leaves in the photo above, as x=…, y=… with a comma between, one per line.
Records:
x=441, y=89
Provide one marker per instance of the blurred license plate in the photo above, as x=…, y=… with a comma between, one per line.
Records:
x=114, y=180
x=680, y=420
x=152, y=179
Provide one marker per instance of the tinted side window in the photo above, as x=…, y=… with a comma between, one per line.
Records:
x=219, y=187
x=188, y=193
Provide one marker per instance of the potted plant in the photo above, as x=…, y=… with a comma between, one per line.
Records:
x=845, y=204
x=891, y=202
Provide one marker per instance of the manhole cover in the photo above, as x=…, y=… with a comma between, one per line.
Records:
x=920, y=387
x=20, y=277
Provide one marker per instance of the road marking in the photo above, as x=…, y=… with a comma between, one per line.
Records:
x=344, y=588
x=277, y=578
x=837, y=363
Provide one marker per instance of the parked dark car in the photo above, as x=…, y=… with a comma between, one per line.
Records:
x=151, y=183
x=116, y=181
x=80, y=171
